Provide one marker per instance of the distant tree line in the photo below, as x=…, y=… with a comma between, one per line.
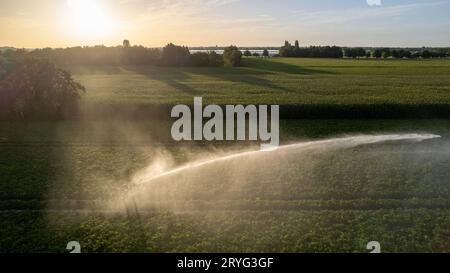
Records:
x=178, y=56
x=289, y=50
x=248, y=53
x=395, y=53
x=170, y=55
x=410, y=54
x=356, y=52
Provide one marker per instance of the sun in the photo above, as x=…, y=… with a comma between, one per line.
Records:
x=89, y=19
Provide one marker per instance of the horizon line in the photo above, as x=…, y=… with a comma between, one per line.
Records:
x=221, y=46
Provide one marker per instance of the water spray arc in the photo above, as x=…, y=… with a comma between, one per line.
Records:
x=345, y=142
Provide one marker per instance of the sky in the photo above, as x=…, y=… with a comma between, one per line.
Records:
x=154, y=23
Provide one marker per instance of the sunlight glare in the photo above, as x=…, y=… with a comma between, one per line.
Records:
x=89, y=19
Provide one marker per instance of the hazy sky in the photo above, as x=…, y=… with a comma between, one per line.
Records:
x=61, y=23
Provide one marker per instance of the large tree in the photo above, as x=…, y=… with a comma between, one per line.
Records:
x=173, y=55
x=38, y=88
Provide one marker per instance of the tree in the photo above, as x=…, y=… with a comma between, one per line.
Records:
x=426, y=54
x=126, y=44
x=205, y=59
x=256, y=54
x=406, y=54
x=386, y=53
x=311, y=52
x=232, y=56
x=349, y=53
x=173, y=55
x=4, y=66
x=266, y=53
x=416, y=54
x=360, y=52
x=215, y=59
x=38, y=88
x=247, y=53
x=355, y=52
x=199, y=59
x=287, y=50
x=377, y=53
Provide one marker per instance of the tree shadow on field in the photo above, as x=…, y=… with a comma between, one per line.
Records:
x=239, y=75
x=253, y=70
x=247, y=79
x=274, y=67
x=251, y=73
x=173, y=77
x=94, y=69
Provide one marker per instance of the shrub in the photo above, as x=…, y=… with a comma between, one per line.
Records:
x=215, y=59
x=199, y=59
x=203, y=59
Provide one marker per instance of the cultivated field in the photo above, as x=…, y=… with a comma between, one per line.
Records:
x=284, y=81
x=67, y=181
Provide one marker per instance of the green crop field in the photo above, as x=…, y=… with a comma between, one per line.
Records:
x=68, y=180
x=274, y=81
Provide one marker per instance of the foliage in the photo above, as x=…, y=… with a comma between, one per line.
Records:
x=310, y=52
x=346, y=200
x=289, y=50
x=38, y=88
x=232, y=56
x=312, y=86
x=4, y=66
x=126, y=43
x=203, y=59
x=173, y=55
x=321, y=202
x=357, y=52
x=215, y=59
x=409, y=53
x=322, y=231
x=98, y=55
x=377, y=53
x=401, y=53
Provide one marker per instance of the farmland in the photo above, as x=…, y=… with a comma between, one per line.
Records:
x=57, y=176
x=275, y=81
